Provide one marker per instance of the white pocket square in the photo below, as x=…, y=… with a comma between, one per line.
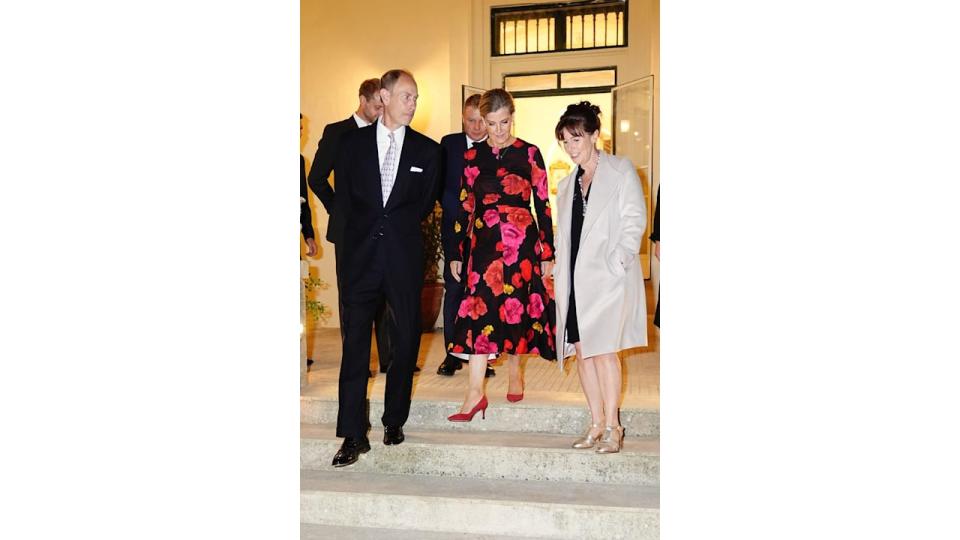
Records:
x=416, y=169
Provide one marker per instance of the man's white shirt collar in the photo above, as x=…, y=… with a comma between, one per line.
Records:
x=360, y=121
x=471, y=142
x=383, y=140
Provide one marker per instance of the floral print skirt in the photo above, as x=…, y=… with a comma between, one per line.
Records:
x=507, y=306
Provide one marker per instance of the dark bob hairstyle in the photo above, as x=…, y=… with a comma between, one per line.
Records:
x=579, y=119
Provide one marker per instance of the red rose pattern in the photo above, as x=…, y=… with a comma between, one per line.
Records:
x=508, y=308
x=521, y=217
x=493, y=277
x=470, y=175
x=472, y=279
x=473, y=307
x=526, y=269
x=511, y=311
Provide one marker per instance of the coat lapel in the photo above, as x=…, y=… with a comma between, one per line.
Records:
x=372, y=158
x=602, y=190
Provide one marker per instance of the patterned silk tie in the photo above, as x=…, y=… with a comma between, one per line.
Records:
x=386, y=170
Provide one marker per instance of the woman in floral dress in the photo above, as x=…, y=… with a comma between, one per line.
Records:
x=507, y=308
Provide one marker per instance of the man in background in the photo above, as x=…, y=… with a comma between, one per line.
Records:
x=454, y=145
x=306, y=216
x=368, y=110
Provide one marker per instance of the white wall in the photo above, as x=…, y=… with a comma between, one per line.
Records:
x=343, y=43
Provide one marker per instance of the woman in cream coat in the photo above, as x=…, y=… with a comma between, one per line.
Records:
x=601, y=308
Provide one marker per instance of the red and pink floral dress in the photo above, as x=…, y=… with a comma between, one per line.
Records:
x=507, y=306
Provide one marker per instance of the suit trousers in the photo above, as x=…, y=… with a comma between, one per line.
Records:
x=361, y=301
x=383, y=322
x=452, y=296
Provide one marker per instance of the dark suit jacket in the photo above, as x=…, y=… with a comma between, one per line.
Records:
x=655, y=235
x=320, y=172
x=368, y=225
x=454, y=145
x=306, y=217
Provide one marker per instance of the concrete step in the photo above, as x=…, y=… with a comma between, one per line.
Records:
x=330, y=532
x=489, y=454
x=501, y=416
x=528, y=509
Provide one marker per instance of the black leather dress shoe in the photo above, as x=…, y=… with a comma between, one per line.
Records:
x=449, y=366
x=350, y=451
x=392, y=435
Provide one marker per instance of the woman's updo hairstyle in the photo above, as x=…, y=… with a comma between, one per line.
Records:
x=494, y=100
x=579, y=119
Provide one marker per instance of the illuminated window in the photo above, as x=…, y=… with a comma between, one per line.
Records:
x=564, y=26
x=560, y=82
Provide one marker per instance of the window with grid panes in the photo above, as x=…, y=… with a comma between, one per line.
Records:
x=565, y=26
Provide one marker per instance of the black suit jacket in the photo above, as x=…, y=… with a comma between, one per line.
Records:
x=368, y=225
x=454, y=145
x=655, y=235
x=306, y=217
x=320, y=173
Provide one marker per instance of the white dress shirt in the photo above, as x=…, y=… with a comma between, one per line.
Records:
x=471, y=142
x=360, y=121
x=383, y=143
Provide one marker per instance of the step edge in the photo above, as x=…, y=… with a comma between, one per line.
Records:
x=478, y=447
x=453, y=403
x=502, y=501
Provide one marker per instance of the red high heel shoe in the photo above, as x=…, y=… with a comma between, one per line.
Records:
x=513, y=398
x=481, y=407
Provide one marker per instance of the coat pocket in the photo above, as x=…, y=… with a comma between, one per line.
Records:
x=615, y=264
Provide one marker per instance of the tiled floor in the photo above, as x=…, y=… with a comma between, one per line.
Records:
x=545, y=381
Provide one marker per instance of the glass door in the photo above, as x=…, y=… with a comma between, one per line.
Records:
x=633, y=139
x=466, y=91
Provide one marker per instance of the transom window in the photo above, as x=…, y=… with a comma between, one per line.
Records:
x=565, y=26
x=549, y=83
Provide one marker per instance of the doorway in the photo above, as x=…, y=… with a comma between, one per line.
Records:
x=542, y=97
x=626, y=124
x=535, y=121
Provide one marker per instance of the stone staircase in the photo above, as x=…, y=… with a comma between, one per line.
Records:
x=511, y=475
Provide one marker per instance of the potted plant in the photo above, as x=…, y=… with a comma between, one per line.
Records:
x=432, y=294
x=314, y=307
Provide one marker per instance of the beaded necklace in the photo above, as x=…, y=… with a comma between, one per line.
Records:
x=583, y=194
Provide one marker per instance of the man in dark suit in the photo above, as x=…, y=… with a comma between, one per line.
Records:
x=306, y=216
x=386, y=180
x=367, y=112
x=655, y=237
x=454, y=145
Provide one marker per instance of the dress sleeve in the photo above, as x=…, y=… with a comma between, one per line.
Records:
x=464, y=219
x=541, y=202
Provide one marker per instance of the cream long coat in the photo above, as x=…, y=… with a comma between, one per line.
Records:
x=611, y=307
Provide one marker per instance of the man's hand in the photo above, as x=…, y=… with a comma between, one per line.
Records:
x=455, y=267
x=311, y=247
x=547, y=267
